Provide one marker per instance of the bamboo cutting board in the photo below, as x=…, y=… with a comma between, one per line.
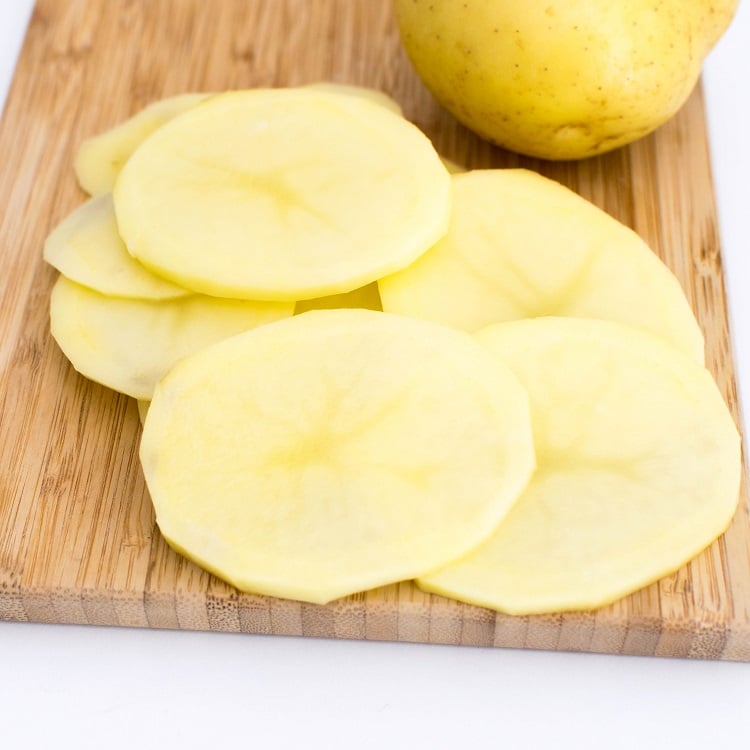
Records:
x=78, y=541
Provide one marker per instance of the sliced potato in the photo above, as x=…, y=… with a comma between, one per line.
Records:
x=143, y=409
x=638, y=470
x=129, y=344
x=335, y=451
x=101, y=157
x=366, y=297
x=282, y=194
x=87, y=248
x=347, y=89
x=522, y=246
x=452, y=166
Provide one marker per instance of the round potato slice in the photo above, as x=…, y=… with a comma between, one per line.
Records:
x=365, y=297
x=100, y=158
x=334, y=452
x=523, y=246
x=87, y=249
x=638, y=470
x=365, y=92
x=129, y=344
x=282, y=194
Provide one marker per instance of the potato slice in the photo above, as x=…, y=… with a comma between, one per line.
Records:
x=523, y=246
x=638, y=469
x=366, y=297
x=365, y=92
x=87, y=248
x=101, y=157
x=143, y=409
x=282, y=194
x=128, y=344
x=335, y=451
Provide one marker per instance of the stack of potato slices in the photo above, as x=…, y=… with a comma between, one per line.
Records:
x=364, y=369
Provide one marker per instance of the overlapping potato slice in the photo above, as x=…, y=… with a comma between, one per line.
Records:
x=522, y=246
x=129, y=344
x=366, y=297
x=334, y=452
x=87, y=248
x=638, y=469
x=100, y=158
x=347, y=89
x=282, y=194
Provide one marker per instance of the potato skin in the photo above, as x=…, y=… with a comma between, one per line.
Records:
x=561, y=79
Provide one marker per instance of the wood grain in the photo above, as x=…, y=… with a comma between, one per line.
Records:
x=78, y=543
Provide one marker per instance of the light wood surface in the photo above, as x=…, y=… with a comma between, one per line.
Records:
x=78, y=542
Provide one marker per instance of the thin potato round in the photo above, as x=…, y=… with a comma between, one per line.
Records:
x=638, y=470
x=364, y=92
x=282, y=194
x=101, y=157
x=366, y=297
x=335, y=451
x=523, y=246
x=87, y=248
x=129, y=344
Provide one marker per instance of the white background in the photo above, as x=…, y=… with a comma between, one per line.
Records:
x=76, y=687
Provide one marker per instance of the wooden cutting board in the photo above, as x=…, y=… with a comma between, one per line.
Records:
x=78, y=542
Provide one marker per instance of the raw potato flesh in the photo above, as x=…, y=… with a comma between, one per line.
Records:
x=523, y=246
x=143, y=409
x=87, y=248
x=638, y=470
x=373, y=95
x=282, y=194
x=100, y=158
x=366, y=297
x=334, y=452
x=129, y=344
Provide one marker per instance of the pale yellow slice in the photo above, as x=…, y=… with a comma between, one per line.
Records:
x=282, y=194
x=143, y=409
x=366, y=297
x=638, y=470
x=87, y=248
x=129, y=344
x=335, y=451
x=522, y=246
x=365, y=92
x=101, y=157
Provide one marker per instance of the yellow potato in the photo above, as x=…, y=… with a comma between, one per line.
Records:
x=101, y=157
x=638, y=469
x=282, y=194
x=334, y=452
x=523, y=246
x=129, y=344
x=87, y=248
x=561, y=79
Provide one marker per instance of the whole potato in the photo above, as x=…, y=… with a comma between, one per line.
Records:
x=561, y=79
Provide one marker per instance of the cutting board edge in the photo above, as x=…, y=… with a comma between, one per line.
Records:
x=440, y=622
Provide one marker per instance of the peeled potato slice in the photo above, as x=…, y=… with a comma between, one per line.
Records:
x=282, y=194
x=638, y=470
x=101, y=157
x=373, y=95
x=366, y=297
x=87, y=248
x=335, y=451
x=143, y=409
x=128, y=344
x=522, y=246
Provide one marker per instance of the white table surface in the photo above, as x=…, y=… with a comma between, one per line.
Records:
x=82, y=687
